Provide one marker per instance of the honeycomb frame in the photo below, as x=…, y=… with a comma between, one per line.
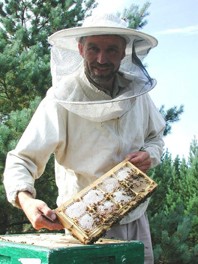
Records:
x=92, y=211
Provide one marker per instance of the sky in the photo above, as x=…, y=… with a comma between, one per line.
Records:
x=173, y=63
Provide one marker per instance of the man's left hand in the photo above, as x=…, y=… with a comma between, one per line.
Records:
x=140, y=159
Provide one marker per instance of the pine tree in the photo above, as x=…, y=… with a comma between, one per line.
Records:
x=11, y=129
x=136, y=16
x=24, y=50
x=171, y=115
x=173, y=211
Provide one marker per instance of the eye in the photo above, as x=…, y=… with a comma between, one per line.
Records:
x=112, y=50
x=93, y=49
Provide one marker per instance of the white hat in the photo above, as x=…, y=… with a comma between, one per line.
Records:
x=66, y=62
x=103, y=24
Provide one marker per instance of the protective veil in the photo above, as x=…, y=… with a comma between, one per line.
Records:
x=67, y=68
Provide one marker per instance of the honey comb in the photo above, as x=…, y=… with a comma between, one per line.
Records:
x=92, y=211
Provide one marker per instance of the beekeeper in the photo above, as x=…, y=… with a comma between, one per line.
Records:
x=97, y=113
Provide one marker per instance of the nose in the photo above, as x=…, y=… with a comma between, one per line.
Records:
x=102, y=57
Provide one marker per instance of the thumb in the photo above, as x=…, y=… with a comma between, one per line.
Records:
x=47, y=212
x=131, y=155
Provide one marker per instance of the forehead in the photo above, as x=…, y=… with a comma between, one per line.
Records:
x=105, y=39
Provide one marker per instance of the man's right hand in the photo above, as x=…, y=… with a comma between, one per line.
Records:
x=38, y=213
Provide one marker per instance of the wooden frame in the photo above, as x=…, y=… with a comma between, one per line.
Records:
x=91, y=212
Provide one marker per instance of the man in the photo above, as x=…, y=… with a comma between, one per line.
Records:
x=96, y=114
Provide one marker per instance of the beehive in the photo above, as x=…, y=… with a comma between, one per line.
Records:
x=51, y=248
x=90, y=213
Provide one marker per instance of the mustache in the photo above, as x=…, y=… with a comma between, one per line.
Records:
x=105, y=65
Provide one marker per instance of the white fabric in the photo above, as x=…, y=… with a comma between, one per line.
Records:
x=138, y=230
x=88, y=131
x=65, y=57
x=84, y=149
x=91, y=103
x=102, y=24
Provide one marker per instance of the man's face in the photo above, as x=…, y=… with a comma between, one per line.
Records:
x=102, y=56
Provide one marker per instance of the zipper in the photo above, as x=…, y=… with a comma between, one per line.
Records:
x=119, y=138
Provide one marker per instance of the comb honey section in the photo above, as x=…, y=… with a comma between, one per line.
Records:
x=92, y=211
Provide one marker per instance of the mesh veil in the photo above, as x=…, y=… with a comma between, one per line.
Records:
x=66, y=63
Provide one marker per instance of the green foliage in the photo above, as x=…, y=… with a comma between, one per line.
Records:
x=173, y=211
x=136, y=15
x=12, y=219
x=171, y=235
x=11, y=128
x=171, y=115
x=24, y=50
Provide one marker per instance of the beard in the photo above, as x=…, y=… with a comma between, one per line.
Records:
x=100, y=74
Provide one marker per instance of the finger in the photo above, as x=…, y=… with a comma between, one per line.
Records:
x=139, y=156
x=50, y=215
x=47, y=212
x=48, y=224
x=142, y=164
x=141, y=160
x=41, y=221
x=50, y=220
x=136, y=160
x=131, y=155
x=144, y=168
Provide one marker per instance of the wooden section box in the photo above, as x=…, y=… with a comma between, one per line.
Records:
x=59, y=249
x=90, y=213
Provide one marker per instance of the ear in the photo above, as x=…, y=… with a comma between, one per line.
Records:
x=123, y=55
x=80, y=48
